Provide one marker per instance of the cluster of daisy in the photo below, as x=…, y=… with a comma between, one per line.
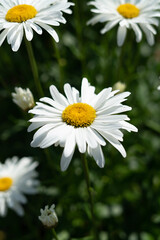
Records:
x=85, y=120
x=22, y=17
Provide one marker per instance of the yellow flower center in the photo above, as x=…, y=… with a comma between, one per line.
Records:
x=79, y=115
x=21, y=13
x=5, y=183
x=128, y=10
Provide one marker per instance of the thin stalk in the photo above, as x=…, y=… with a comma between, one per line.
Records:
x=58, y=58
x=54, y=234
x=89, y=189
x=79, y=32
x=3, y=83
x=34, y=67
x=49, y=158
x=120, y=64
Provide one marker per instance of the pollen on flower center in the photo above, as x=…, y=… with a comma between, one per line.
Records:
x=21, y=13
x=79, y=115
x=128, y=10
x=5, y=183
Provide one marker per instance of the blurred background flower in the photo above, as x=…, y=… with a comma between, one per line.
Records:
x=17, y=178
x=136, y=15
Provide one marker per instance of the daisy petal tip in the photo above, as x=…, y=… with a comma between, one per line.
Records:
x=102, y=165
x=135, y=129
x=63, y=168
x=33, y=144
x=84, y=79
x=52, y=87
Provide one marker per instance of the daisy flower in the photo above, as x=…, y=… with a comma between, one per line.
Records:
x=84, y=121
x=17, y=177
x=23, y=16
x=138, y=15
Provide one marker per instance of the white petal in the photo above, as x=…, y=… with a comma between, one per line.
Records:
x=69, y=94
x=114, y=142
x=68, y=151
x=28, y=31
x=98, y=156
x=90, y=139
x=50, y=30
x=3, y=207
x=80, y=139
x=58, y=97
x=121, y=35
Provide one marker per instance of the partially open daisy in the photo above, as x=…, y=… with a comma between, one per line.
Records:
x=48, y=216
x=23, y=16
x=17, y=177
x=23, y=98
x=127, y=14
x=84, y=121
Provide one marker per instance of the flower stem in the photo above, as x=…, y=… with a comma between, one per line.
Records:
x=58, y=58
x=79, y=23
x=54, y=234
x=89, y=189
x=4, y=85
x=34, y=67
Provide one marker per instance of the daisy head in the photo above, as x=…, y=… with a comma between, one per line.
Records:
x=17, y=178
x=23, y=16
x=138, y=15
x=86, y=121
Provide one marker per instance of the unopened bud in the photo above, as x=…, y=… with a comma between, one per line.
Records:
x=23, y=98
x=119, y=86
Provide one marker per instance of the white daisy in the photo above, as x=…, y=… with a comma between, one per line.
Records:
x=158, y=87
x=139, y=15
x=83, y=121
x=23, y=98
x=48, y=216
x=17, y=177
x=23, y=16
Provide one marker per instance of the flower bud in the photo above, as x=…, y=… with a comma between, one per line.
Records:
x=119, y=86
x=48, y=216
x=23, y=98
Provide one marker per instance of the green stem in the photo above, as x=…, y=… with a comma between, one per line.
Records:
x=58, y=58
x=79, y=31
x=49, y=158
x=54, y=234
x=34, y=67
x=120, y=64
x=89, y=189
x=3, y=83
